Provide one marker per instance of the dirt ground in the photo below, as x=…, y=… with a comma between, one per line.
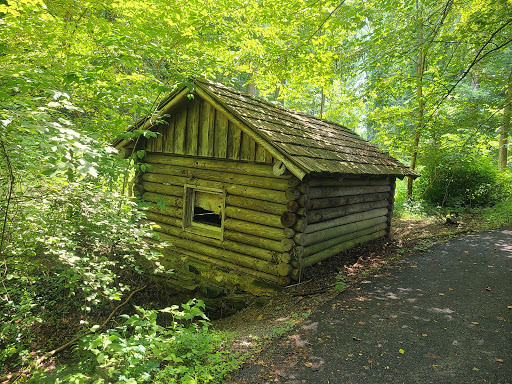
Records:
x=257, y=325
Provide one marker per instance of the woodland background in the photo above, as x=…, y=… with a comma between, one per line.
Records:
x=428, y=81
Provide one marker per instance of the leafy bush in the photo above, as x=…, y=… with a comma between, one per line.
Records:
x=466, y=183
x=500, y=215
x=72, y=247
x=408, y=208
x=140, y=350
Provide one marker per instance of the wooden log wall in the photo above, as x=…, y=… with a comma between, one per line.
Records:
x=254, y=240
x=326, y=216
x=196, y=128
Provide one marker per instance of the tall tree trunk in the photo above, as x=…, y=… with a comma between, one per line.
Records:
x=251, y=87
x=505, y=127
x=419, y=97
x=322, y=104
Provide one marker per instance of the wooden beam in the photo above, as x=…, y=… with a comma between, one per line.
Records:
x=251, y=131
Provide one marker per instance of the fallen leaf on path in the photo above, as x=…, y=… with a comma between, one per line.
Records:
x=488, y=289
x=499, y=360
x=500, y=318
x=308, y=364
x=475, y=322
x=441, y=294
x=350, y=355
x=509, y=307
x=260, y=317
x=401, y=351
x=362, y=323
x=424, y=335
x=356, y=338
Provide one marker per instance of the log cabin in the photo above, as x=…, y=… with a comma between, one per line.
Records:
x=245, y=187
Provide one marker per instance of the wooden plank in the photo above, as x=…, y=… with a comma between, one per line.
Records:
x=192, y=137
x=165, y=108
x=180, y=131
x=169, y=136
x=248, y=148
x=221, y=136
x=206, y=125
x=334, y=223
x=158, y=142
x=261, y=154
x=234, y=137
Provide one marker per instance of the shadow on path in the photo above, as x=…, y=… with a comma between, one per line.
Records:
x=444, y=317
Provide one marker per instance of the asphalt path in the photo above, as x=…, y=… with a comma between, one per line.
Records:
x=441, y=316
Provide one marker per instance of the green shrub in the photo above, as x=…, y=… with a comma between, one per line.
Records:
x=467, y=183
x=186, y=351
x=72, y=248
x=500, y=215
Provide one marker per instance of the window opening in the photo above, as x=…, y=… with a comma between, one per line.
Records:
x=203, y=211
x=204, y=216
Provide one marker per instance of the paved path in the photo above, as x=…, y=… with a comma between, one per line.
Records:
x=445, y=316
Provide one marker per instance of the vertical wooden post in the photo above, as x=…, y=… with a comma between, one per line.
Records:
x=391, y=205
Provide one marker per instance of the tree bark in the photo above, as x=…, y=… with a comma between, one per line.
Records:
x=505, y=127
x=419, y=97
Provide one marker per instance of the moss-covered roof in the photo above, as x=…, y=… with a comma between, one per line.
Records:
x=314, y=145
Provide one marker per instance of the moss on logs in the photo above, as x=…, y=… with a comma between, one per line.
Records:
x=288, y=219
x=272, y=233
x=320, y=193
x=281, y=280
x=346, y=219
x=334, y=212
x=241, y=248
x=228, y=256
x=254, y=240
x=292, y=206
x=315, y=248
x=220, y=176
x=172, y=190
x=350, y=226
x=255, y=205
x=242, y=168
x=254, y=216
x=332, y=251
x=292, y=194
x=171, y=185
x=339, y=201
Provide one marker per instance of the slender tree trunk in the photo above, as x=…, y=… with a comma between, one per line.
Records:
x=419, y=96
x=322, y=104
x=251, y=87
x=505, y=127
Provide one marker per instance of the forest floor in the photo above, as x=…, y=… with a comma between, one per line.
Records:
x=258, y=327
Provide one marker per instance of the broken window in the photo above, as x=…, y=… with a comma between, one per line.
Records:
x=203, y=212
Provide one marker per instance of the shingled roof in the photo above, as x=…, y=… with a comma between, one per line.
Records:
x=313, y=145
